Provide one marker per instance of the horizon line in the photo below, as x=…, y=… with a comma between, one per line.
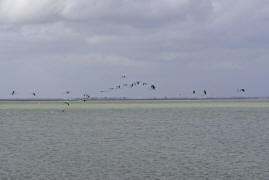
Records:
x=125, y=98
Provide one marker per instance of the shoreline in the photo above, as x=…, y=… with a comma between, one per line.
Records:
x=132, y=99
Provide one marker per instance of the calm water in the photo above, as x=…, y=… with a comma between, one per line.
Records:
x=135, y=140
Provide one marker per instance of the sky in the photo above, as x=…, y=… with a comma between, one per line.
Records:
x=85, y=46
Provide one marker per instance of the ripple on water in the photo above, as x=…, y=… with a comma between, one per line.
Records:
x=135, y=140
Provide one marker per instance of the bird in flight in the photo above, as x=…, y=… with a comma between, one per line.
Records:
x=242, y=90
x=13, y=93
x=153, y=87
x=86, y=95
x=193, y=92
x=205, y=93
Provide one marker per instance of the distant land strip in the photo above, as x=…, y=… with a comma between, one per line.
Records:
x=130, y=99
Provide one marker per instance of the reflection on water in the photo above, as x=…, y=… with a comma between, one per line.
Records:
x=135, y=140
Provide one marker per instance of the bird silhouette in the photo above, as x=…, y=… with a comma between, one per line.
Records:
x=86, y=95
x=153, y=87
x=67, y=92
x=67, y=103
x=242, y=90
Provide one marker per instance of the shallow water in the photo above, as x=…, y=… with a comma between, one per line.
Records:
x=208, y=139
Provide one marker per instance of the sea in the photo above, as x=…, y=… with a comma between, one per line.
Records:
x=135, y=140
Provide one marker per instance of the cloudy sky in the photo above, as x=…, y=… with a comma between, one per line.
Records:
x=51, y=46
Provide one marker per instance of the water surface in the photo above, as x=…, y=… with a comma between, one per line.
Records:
x=206, y=139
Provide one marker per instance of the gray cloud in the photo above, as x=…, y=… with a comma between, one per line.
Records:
x=193, y=43
x=126, y=11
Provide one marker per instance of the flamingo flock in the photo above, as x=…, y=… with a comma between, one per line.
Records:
x=124, y=85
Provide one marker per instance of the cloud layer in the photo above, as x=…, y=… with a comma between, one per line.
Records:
x=185, y=41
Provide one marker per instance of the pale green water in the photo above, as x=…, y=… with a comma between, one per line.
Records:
x=138, y=104
x=135, y=140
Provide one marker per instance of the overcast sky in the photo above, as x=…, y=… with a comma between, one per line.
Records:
x=51, y=46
